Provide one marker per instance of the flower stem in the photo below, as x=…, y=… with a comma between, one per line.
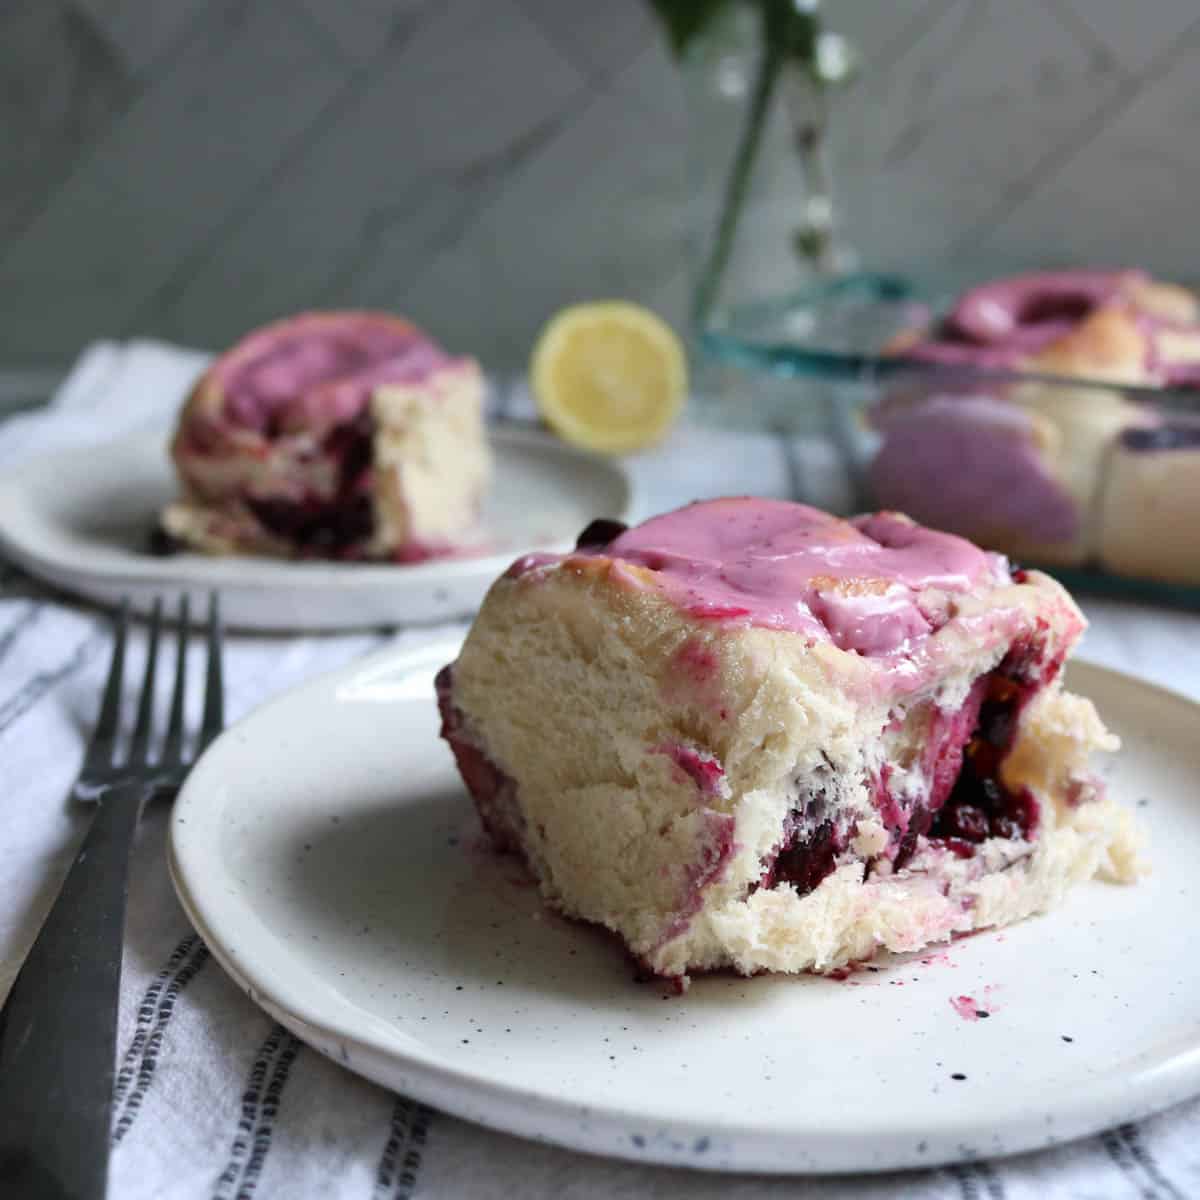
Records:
x=738, y=182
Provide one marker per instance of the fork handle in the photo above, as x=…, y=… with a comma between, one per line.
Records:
x=58, y=1027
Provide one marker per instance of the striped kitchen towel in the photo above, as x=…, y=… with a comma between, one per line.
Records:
x=216, y=1100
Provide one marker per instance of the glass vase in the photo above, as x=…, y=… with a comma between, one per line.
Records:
x=762, y=214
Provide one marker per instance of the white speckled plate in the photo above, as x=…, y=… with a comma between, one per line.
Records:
x=80, y=519
x=326, y=850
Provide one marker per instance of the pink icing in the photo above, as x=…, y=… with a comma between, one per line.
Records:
x=970, y=464
x=780, y=565
x=319, y=369
x=1000, y=323
x=1015, y=311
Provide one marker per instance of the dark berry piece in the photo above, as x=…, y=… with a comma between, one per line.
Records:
x=316, y=526
x=918, y=825
x=967, y=822
x=1006, y=827
x=997, y=724
x=352, y=444
x=805, y=864
x=1165, y=437
x=805, y=860
x=599, y=533
x=1021, y=808
x=163, y=544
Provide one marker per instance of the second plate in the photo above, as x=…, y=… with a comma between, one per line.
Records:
x=80, y=520
x=327, y=853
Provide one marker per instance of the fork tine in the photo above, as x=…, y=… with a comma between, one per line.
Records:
x=172, y=754
x=104, y=738
x=140, y=744
x=214, y=687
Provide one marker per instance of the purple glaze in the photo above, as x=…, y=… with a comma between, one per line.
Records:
x=970, y=464
x=1001, y=323
x=780, y=565
x=319, y=369
x=1026, y=312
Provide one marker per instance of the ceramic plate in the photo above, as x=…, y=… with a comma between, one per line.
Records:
x=80, y=520
x=327, y=852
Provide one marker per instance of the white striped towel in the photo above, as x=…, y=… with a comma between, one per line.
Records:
x=213, y=1098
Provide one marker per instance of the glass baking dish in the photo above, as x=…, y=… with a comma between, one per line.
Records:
x=1097, y=482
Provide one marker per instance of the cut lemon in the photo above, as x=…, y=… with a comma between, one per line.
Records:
x=609, y=376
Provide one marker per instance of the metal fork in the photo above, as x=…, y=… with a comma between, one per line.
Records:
x=58, y=1026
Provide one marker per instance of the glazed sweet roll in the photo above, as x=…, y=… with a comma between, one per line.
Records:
x=344, y=435
x=1022, y=467
x=747, y=734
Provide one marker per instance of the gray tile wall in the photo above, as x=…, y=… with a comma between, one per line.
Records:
x=187, y=168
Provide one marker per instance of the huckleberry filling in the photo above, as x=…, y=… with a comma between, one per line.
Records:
x=965, y=802
x=803, y=863
x=980, y=806
x=329, y=526
x=317, y=526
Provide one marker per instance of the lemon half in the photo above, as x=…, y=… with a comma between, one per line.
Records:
x=609, y=376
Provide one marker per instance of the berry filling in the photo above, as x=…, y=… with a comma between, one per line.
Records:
x=317, y=527
x=980, y=806
x=804, y=863
x=335, y=526
x=966, y=801
x=1164, y=437
x=808, y=852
